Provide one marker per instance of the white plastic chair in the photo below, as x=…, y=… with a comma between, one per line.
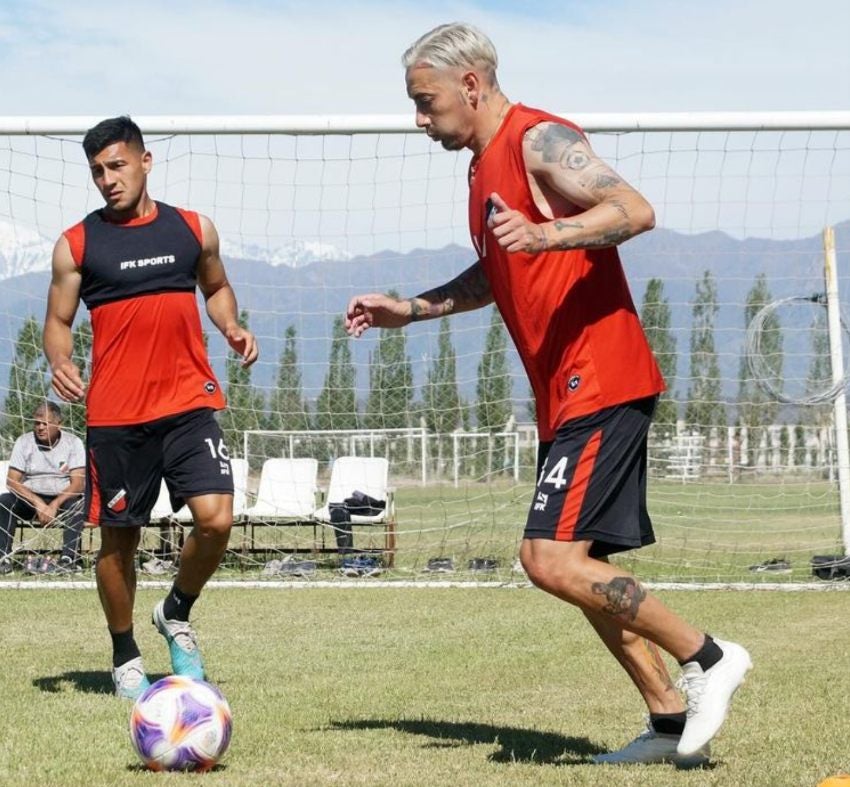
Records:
x=286, y=495
x=369, y=475
x=287, y=491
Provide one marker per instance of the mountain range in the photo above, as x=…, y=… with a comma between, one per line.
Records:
x=307, y=285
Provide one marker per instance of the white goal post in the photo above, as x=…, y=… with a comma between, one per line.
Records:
x=313, y=209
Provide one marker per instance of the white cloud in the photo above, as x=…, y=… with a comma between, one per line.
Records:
x=343, y=58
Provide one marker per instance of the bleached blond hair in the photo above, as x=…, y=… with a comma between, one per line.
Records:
x=455, y=45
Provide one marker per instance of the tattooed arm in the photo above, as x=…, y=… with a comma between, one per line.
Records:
x=561, y=160
x=470, y=290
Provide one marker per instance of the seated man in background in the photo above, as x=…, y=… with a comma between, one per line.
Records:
x=46, y=480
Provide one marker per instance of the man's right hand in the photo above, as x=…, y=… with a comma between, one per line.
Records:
x=46, y=513
x=67, y=382
x=375, y=311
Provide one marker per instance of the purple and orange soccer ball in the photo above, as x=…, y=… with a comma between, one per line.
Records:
x=181, y=724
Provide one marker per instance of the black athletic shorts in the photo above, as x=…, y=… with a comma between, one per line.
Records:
x=591, y=481
x=126, y=465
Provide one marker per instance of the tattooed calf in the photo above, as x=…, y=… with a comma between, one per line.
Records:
x=624, y=596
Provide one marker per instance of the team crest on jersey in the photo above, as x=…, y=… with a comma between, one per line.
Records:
x=574, y=382
x=210, y=387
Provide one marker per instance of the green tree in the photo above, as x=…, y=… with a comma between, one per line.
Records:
x=494, y=381
x=756, y=408
x=704, y=408
x=289, y=410
x=655, y=315
x=28, y=384
x=336, y=407
x=245, y=404
x=390, y=382
x=819, y=377
x=441, y=396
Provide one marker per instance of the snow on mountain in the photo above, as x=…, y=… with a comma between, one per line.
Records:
x=22, y=250
x=294, y=253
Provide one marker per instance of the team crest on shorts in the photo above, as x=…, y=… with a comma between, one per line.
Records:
x=574, y=382
x=210, y=387
x=118, y=502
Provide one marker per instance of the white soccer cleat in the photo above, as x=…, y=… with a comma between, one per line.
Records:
x=130, y=679
x=708, y=694
x=654, y=747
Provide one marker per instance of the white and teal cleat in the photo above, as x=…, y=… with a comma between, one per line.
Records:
x=182, y=644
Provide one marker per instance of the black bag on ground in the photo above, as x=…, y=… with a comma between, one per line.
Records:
x=831, y=566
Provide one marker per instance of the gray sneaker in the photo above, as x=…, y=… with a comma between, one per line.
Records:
x=6, y=566
x=654, y=747
x=130, y=679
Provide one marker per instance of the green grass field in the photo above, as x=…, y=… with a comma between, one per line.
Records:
x=414, y=686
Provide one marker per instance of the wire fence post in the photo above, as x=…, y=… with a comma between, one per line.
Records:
x=833, y=307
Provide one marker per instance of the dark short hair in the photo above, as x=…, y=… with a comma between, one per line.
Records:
x=110, y=131
x=54, y=409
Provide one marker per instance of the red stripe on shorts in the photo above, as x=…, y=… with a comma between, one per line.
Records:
x=93, y=514
x=578, y=489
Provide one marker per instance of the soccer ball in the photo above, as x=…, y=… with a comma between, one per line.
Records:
x=180, y=724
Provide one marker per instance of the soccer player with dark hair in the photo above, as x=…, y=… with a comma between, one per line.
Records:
x=152, y=395
x=545, y=216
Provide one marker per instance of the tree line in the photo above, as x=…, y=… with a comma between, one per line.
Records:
x=392, y=400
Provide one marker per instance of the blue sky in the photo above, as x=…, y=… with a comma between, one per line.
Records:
x=226, y=57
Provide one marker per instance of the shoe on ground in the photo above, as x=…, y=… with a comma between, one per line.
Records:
x=360, y=566
x=130, y=679
x=32, y=564
x=708, y=695
x=182, y=644
x=6, y=566
x=64, y=567
x=157, y=566
x=271, y=569
x=484, y=565
x=297, y=568
x=69, y=565
x=775, y=565
x=439, y=565
x=654, y=747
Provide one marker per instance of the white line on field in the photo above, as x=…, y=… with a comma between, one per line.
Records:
x=355, y=584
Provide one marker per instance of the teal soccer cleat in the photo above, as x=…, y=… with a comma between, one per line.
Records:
x=182, y=644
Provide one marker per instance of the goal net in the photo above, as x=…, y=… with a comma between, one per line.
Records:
x=744, y=484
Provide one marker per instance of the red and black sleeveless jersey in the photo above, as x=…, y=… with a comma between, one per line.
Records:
x=138, y=281
x=570, y=313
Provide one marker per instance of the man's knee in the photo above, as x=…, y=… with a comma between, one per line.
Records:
x=552, y=565
x=215, y=528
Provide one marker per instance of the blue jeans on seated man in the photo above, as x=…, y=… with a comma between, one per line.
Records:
x=70, y=514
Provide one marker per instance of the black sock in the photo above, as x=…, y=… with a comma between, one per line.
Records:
x=124, y=647
x=668, y=723
x=178, y=604
x=707, y=656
